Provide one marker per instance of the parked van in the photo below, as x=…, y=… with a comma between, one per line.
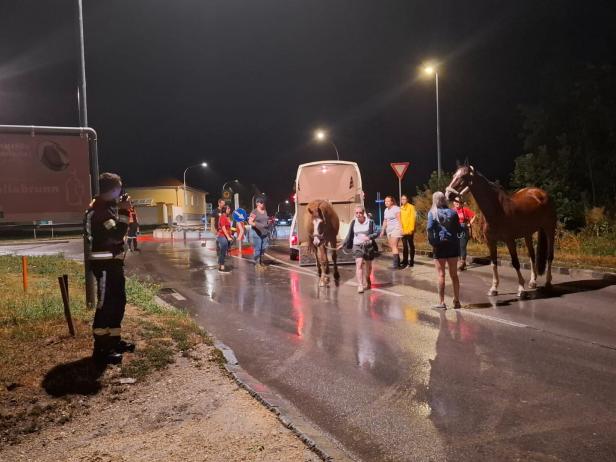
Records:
x=336, y=181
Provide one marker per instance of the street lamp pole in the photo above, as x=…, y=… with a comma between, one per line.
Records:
x=429, y=70
x=335, y=149
x=321, y=135
x=202, y=164
x=222, y=192
x=438, y=133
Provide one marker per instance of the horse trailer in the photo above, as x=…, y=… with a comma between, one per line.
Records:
x=336, y=181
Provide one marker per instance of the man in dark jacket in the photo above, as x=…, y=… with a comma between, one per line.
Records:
x=105, y=226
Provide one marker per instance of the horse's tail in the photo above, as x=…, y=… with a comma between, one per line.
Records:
x=541, y=255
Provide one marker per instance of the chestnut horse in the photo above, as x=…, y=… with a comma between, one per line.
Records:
x=322, y=224
x=510, y=217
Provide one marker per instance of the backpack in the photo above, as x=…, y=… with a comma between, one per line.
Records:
x=438, y=233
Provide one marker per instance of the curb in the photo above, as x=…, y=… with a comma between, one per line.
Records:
x=297, y=424
x=571, y=271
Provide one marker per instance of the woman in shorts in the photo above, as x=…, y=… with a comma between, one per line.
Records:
x=360, y=240
x=443, y=228
x=392, y=228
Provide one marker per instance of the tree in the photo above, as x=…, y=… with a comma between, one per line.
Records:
x=570, y=143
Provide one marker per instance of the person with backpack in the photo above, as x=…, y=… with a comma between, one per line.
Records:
x=361, y=240
x=443, y=228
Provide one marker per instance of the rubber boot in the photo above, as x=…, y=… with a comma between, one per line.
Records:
x=125, y=347
x=396, y=262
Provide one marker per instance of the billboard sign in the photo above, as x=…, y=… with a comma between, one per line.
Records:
x=44, y=177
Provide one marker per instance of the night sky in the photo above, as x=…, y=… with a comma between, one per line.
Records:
x=242, y=84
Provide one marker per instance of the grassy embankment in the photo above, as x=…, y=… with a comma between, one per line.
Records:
x=34, y=336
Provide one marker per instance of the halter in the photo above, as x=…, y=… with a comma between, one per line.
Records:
x=449, y=189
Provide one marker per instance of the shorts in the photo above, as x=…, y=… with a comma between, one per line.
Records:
x=359, y=251
x=397, y=233
x=447, y=250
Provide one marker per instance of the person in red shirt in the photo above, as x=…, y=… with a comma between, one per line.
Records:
x=223, y=237
x=466, y=217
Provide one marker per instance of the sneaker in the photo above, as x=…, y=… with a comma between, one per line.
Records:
x=440, y=306
x=222, y=269
x=360, y=289
x=457, y=305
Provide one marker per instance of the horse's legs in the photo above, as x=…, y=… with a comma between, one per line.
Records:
x=515, y=262
x=532, y=284
x=316, y=256
x=493, y=259
x=335, y=260
x=324, y=266
x=551, y=236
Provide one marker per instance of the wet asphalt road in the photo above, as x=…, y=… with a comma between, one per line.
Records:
x=391, y=379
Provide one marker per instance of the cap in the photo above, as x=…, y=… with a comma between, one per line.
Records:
x=260, y=200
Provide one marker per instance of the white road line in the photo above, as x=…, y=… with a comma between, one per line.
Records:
x=314, y=274
x=494, y=318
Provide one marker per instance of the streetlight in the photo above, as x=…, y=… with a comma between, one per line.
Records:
x=278, y=209
x=321, y=135
x=222, y=191
x=429, y=70
x=202, y=164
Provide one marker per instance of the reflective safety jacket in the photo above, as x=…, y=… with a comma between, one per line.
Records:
x=105, y=227
x=407, y=218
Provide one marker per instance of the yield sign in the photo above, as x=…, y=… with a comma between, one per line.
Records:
x=400, y=168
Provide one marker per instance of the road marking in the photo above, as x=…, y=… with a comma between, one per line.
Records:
x=314, y=274
x=494, y=318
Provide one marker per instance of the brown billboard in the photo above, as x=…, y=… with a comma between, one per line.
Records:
x=44, y=177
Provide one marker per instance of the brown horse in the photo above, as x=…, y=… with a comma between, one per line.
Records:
x=510, y=217
x=322, y=224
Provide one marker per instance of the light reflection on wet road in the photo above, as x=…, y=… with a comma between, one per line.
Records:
x=392, y=380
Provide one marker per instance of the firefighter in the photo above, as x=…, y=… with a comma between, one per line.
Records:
x=106, y=224
x=133, y=229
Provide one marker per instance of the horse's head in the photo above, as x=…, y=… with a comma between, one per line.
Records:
x=318, y=225
x=461, y=181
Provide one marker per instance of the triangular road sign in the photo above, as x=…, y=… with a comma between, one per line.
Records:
x=400, y=168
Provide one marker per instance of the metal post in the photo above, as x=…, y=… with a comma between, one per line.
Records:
x=438, y=134
x=399, y=190
x=378, y=198
x=336, y=149
x=82, y=96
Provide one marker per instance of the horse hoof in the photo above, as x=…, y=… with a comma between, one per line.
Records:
x=492, y=292
x=532, y=285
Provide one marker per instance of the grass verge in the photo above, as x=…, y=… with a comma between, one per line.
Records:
x=36, y=349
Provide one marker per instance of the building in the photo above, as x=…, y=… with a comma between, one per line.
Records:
x=167, y=203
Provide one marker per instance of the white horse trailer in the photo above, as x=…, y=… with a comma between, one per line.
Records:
x=336, y=181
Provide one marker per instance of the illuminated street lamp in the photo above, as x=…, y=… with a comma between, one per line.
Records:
x=430, y=70
x=202, y=164
x=321, y=135
x=278, y=208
